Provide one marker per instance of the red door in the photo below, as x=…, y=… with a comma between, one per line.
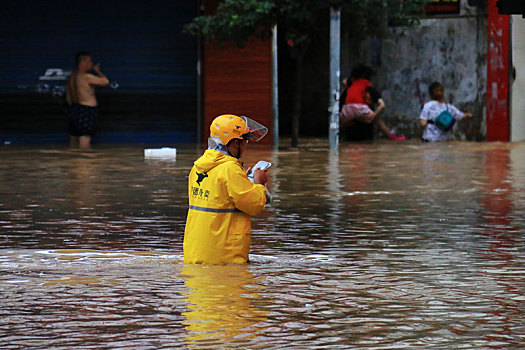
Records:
x=237, y=81
x=498, y=115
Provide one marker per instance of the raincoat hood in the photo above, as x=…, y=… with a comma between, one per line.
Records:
x=212, y=158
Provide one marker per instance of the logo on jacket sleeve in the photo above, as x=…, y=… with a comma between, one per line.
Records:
x=200, y=177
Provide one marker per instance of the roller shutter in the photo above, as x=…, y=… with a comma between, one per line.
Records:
x=151, y=64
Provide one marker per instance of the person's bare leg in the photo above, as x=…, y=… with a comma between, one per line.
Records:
x=73, y=141
x=384, y=129
x=85, y=142
x=343, y=124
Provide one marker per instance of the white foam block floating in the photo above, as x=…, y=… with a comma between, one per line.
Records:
x=164, y=152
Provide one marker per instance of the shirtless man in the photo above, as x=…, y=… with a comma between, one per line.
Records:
x=80, y=96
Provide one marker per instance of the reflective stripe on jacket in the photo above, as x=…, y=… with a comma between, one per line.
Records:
x=221, y=201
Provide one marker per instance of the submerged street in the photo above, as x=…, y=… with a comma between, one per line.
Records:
x=385, y=244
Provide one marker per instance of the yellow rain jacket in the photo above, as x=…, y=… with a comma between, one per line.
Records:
x=221, y=199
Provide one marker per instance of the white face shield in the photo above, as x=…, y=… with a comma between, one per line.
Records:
x=255, y=131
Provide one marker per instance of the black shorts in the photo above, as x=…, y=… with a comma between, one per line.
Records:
x=82, y=120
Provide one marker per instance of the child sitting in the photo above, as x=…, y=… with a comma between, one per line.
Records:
x=356, y=84
x=364, y=112
x=431, y=110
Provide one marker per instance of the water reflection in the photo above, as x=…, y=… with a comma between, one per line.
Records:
x=80, y=188
x=334, y=190
x=498, y=204
x=503, y=239
x=221, y=305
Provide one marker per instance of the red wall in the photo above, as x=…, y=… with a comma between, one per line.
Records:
x=238, y=81
x=498, y=108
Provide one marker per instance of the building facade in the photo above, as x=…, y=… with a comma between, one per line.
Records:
x=446, y=46
x=168, y=86
x=473, y=51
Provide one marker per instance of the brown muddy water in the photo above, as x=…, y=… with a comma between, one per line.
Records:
x=386, y=245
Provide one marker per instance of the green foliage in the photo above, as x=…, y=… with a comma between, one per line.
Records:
x=237, y=20
x=366, y=18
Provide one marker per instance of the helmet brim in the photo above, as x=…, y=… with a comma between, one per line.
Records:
x=256, y=131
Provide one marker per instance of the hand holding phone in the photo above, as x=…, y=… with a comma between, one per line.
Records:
x=261, y=165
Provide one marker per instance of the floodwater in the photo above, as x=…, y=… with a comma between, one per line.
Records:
x=385, y=245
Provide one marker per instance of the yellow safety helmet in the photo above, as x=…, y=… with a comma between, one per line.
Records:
x=227, y=127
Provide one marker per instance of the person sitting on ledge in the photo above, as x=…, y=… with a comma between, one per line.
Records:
x=364, y=112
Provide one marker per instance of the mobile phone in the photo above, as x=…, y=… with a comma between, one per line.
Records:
x=261, y=165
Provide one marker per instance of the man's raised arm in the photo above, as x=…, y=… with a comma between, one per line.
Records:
x=100, y=79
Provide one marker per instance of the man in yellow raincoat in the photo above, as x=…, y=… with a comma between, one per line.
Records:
x=221, y=197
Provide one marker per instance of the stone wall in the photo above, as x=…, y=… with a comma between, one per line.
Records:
x=448, y=49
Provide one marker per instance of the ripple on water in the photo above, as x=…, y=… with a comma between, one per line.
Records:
x=384, y=246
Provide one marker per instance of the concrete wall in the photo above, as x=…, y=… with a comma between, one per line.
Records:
x=518, y=86
x=449, y=49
